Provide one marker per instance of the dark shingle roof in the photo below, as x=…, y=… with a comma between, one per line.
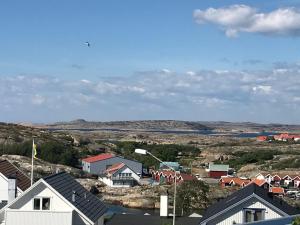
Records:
x=8, y=169
x=134, y=219
x=87, y=203
x=244, y=193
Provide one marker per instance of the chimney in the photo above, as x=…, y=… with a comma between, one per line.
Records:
x=164, y=205
x=12, y=188
x=73, y=196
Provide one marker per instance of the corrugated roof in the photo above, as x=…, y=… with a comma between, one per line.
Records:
x=98, y=157
x=218, y=167
x=244, y=193
x=8, y=169
x=171, y=164
x=115, y=167
x=87, y=203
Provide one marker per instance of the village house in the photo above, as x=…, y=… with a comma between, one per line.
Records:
x=53, y=200
x=168, y=177
x=13, y=182
x=287, y=137
x=100, y=163
x=120, y=175
x=283, y=180
x=217, y=170
x=249, y=204
x=242, y=182
x=262, y=138
x=234, y=181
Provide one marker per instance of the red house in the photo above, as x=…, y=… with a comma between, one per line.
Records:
x=217, y=170
x=262, y=138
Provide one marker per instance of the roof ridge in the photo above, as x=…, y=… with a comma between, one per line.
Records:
x=52, y=175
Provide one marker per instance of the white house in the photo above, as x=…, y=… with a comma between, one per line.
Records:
x=120, y=175
x=100, y=163
x=53, y=200
x=249, y=204
x=12, y=182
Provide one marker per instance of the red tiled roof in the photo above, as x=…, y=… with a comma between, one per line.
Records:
x=238, y=181
x=277, y=190
x=115, y=167
x=258, y=182
x=98, y=157
x=186, y=177
x=262, y=138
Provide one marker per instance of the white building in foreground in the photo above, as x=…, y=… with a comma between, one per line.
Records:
x=54, y=200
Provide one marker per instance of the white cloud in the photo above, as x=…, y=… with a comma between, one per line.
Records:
x=242, y=18
x=166, y=71
x=38, y=99
x=85, y=81
x=265, y=89
x=191, y=73
x=142, y=95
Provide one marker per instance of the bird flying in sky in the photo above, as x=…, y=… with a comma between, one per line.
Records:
x=87, y=43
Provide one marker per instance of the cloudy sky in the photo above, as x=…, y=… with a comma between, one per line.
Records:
x=187, y=60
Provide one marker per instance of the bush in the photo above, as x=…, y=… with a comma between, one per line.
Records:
x=258, y=156
x=165, y=152
x=56, y=152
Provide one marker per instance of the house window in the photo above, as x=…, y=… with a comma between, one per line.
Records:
x=251, y=215
x=36, y=204
x=41, y=203
x=46, y=204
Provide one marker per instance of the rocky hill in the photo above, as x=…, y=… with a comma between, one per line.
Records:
x=130, y=125
x=14, y=133
x=173, y=125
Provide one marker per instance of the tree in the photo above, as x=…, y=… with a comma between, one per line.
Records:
x=296, y=221
x=191, y=195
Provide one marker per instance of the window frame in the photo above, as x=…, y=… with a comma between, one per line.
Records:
x=41, y=198
x=253, y=210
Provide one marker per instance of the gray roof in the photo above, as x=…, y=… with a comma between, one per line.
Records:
x=87, y=203
x=2, y=204
x=242, y=194
x=218, y=167
x=135, y=219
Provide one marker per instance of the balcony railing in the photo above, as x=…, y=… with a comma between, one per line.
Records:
x=123, y=178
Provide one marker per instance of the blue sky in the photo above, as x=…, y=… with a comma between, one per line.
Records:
x=187, y=60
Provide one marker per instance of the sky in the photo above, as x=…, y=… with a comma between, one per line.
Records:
x=214, y=60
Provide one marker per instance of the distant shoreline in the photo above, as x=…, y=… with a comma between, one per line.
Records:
x=201, y=132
